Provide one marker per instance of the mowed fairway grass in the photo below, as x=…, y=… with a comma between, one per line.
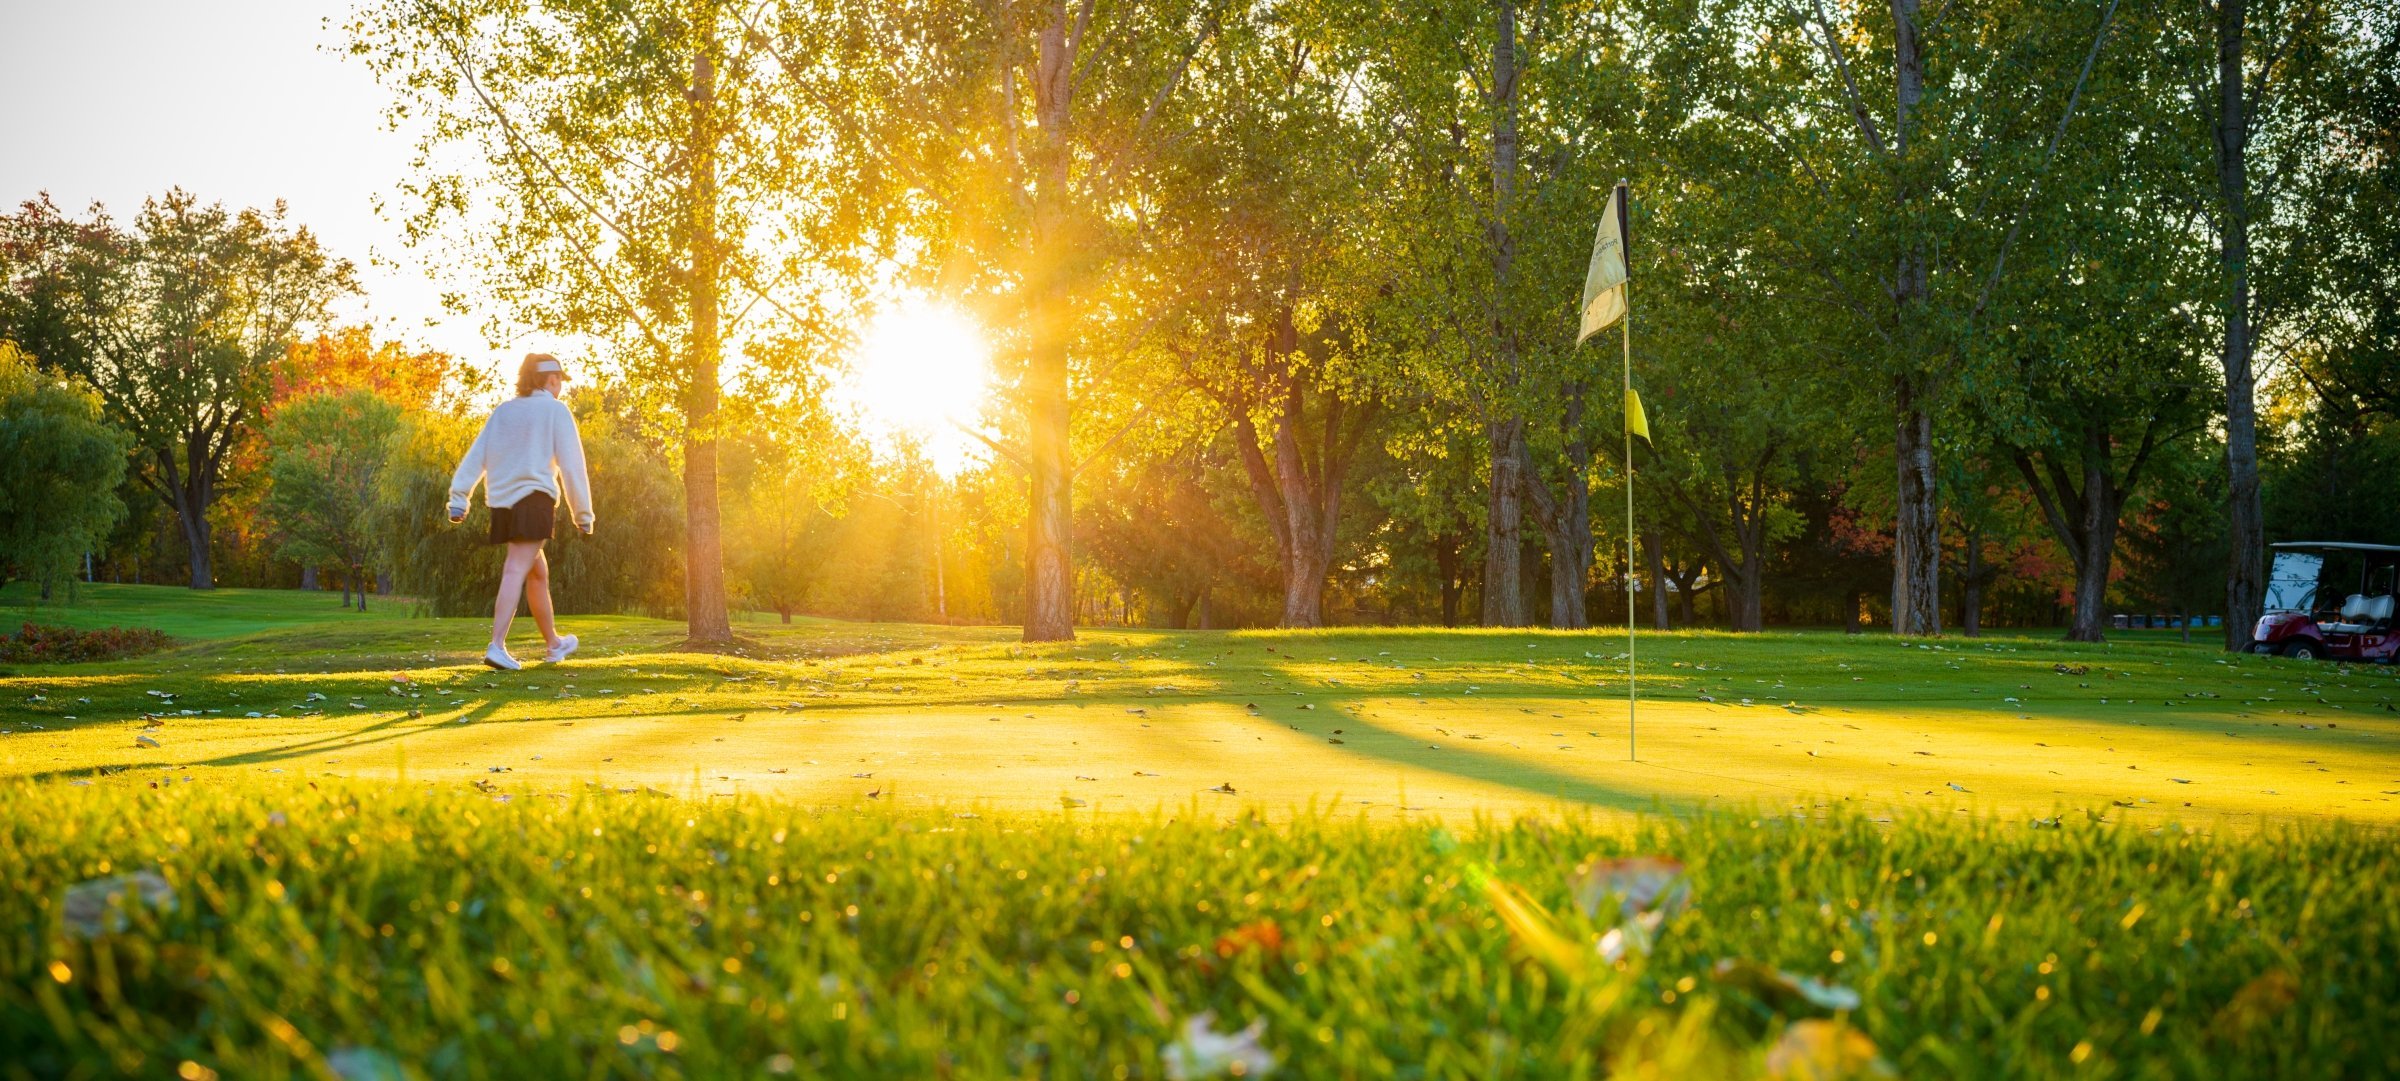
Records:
x=905, y=851
x=1386, y=723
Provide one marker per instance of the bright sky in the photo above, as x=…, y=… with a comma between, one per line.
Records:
x=239, y=102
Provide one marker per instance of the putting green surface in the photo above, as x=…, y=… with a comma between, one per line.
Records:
x=1384, y=723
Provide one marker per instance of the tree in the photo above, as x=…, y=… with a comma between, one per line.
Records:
x=178, y=322
x=1903, y=219
x=1028, y=128
x=665, y=175
x=1264, y=247
x=60, y=464
x=2098, y=328
x=793, y=467
x=324, y=465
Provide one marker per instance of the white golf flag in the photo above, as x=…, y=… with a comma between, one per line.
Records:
x=1604, y=283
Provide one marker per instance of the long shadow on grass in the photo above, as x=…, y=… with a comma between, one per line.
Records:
x=1368, y=739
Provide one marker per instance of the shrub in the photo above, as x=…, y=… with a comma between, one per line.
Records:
x=34, y=644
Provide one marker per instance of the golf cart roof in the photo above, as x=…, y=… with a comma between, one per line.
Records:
x=2344, y=546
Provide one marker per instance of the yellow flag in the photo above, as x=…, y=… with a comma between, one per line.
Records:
x=1637, y=423
x=1604, y=283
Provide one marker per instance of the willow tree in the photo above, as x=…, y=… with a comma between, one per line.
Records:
x=657, y=178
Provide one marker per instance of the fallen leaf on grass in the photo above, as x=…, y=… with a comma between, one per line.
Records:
x=1815, y=1050
x=97, y=907
x=1203, y=1052
x=2258, y=1002
x=1782, y=988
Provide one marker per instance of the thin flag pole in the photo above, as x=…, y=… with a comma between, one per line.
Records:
x=1630, y=605
x=1624, y=214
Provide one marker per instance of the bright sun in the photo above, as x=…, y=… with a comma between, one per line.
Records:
x=919, y=368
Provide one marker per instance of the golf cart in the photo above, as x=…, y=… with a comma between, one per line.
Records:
x=2312, y=612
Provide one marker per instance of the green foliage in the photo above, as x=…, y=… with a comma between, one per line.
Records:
x=180, y=324
x=60, y=464
x=325, y=461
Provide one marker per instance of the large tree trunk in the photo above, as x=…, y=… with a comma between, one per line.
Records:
x=1917, y=555
x=2084, y=518
x=2245, y=531
x=308, y=578
x=191, y=512
x=705, y=613
x=1050, y=520
x=1503, y=570
x=1917, y=552
x=1300, y=492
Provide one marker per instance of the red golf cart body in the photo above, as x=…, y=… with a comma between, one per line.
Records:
x=2331, y=600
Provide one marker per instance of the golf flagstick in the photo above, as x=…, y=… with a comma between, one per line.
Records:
x=1605, y=301
x=1631, y=745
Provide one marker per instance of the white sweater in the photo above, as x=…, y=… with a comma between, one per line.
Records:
x=529, y=444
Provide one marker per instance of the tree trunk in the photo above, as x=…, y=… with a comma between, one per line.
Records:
x=2090, y=620
x=360, y=576
x=1049, y=520
x=1504, y=549
x=1566, y=523
x=192, y=514
x=1917, y=553
x=2245, y=531
x=2090, y=536
x=308, y=578
x=1503, y=567
x=705, y=611
x=1851, y=603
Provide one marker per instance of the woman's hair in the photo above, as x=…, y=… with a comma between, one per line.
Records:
x=533, y=376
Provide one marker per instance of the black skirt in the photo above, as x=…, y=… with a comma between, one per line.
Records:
x=529, y=520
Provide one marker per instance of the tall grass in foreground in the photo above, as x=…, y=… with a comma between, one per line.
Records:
x=385, y=931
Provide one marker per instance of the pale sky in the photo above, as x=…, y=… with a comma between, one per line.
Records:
x=239, y=102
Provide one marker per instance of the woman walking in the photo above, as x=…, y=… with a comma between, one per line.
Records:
x=521, y=457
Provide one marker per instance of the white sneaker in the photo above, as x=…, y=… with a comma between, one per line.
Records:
x=564, y=649
x=499, y=658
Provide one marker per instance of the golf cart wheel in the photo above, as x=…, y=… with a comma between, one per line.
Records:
x=2302, y=650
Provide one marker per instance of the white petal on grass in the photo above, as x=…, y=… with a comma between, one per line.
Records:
x=1203, y=1052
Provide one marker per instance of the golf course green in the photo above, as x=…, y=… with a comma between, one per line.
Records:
x=1383, y=723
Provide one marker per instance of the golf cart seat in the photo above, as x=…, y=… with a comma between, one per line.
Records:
x=2362, y=613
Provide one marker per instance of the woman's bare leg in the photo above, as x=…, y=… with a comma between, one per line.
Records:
x=521, y=557
x=537, y=596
